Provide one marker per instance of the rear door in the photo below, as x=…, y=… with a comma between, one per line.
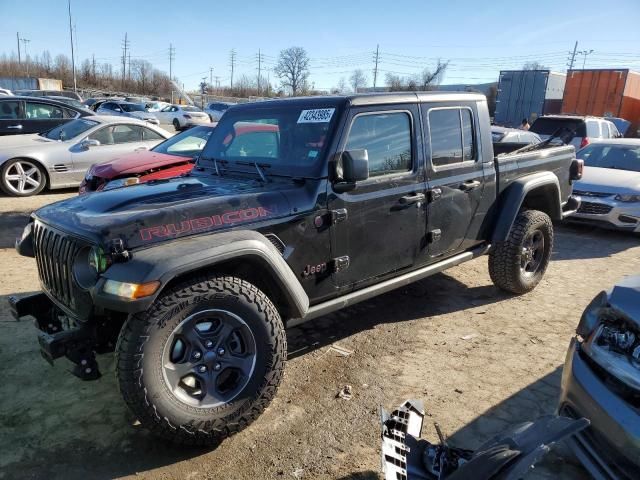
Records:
x=455, y=171
x=380, y=224
x=11, y=117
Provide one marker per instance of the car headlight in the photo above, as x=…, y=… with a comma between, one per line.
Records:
x=97, y=259
x=627, y=198
x=121, y=182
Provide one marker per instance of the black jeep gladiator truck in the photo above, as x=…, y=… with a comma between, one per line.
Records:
x=295, y=208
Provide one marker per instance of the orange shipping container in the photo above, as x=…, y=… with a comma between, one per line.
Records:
x=604, y=93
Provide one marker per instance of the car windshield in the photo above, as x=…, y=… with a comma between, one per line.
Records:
x=132, y=107
x=291, y=140
x=70, y=130
x=186, y=144
x=619, y=157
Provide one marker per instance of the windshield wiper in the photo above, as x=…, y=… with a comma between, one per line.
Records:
x=563, y=133
x=215, y=164
x=258, y=166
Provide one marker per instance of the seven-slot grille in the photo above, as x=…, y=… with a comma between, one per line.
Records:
x=593, y=208
x=55, y=252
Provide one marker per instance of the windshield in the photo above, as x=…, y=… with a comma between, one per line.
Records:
x=186, y=144
x=620, y=157
x=547, y=126
x=132, y=107
x=290, y=139
x=70, y=130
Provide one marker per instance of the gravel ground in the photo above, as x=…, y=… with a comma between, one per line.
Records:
x=480, y=359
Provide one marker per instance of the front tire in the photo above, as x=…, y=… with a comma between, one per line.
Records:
x=518, y=264
x=22, y=178
x=203, y=361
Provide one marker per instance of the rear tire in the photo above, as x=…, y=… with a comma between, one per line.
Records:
x=518, y=264
x=179, y=377
x=176, y=124
x=21, y=177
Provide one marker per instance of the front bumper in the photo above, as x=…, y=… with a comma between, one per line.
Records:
x=610, y=447
x=608, y=212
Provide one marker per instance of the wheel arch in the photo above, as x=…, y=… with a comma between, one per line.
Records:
x=539, y=191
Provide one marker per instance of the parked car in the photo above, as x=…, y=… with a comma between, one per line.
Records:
x=89, y=102
x=127, y=109
x=215, y=110
x=601, y=381
x=156, y=106
x=171, y=158
x=182, y=116
x=610, y=185
x=586, y=129
x=197, y=276
x=69, y=101
x=5, y=91
x=20, y=114
x=60, y=157
x=46, y=93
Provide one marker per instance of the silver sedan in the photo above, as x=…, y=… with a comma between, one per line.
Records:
x=60, y=157
x=610, y=187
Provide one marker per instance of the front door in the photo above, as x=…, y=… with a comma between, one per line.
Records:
x=456, y=178
x=11, y=117
x=385, y=218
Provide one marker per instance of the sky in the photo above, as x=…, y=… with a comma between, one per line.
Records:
x=477, y=38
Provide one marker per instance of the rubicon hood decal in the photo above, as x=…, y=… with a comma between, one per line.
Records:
x=203, y=224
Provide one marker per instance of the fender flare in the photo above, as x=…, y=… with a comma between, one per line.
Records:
x=514, y=195
x=167, y=261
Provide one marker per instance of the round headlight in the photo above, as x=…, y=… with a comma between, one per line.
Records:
x=97, y=259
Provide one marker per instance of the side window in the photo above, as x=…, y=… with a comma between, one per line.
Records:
x=387, y=139
x=593, y=129
x=148, y=134
x=445, y=134
x=103, y=135
x=167, y=109
x=9, y=110
x=254, y=144
x=174, y=109
x=40, y=111
x=127, y=133
x=68, y=113
x=468, y=137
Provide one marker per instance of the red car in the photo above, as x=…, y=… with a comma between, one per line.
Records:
x=173, y=157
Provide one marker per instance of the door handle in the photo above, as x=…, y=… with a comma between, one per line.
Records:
x=15, y=127
x=470, y=185
x=413, y=198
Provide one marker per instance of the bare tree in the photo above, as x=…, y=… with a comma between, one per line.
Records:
x=358, y=80
x=429, y=79
x=394, y=82
x=534, y=66
x=293, y=69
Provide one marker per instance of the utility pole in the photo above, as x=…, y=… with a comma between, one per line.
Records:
x=375, y=70
x=26, y=55
x=129, y=63
x=259, y=70
x=93, y=66
x=573, y=56
x=217, y=82
x=73, y=58
x=18, y=38
x=172, y=53
x=125, y=47
x=232, y=62
x=211, y=76
x=585, y=53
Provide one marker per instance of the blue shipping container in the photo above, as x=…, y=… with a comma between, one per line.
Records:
x=524, y=93
x=19, y=83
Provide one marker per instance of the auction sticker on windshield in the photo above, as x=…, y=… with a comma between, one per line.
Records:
x=317, y=115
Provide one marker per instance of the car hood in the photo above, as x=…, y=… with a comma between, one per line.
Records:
x=608, y=180
x=157, y=211
x=137, y=162
x=27, y=140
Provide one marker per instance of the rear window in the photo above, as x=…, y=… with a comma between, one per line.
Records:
x=548, y=126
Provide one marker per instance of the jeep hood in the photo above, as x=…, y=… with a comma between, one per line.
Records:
x=138, y=162
x=158, y=211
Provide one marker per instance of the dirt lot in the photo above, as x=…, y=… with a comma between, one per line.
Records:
x=480, y=359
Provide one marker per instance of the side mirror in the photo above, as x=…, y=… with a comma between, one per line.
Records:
x=89, y=142
x=353, y=166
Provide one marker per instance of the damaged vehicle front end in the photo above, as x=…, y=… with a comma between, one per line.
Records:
x=601, y=381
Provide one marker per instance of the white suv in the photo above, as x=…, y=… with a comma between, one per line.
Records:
x=586, y=128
